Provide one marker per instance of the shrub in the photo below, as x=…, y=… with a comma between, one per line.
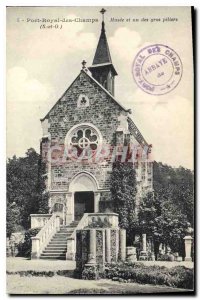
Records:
x=180, y=277
x=90, y=273
x=24, y=248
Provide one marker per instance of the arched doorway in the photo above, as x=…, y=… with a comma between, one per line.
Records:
x=83, y=189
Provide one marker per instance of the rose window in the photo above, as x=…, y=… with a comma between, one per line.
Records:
x=84, y=138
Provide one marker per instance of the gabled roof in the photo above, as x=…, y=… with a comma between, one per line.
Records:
x=96, y=82
x=131, y=125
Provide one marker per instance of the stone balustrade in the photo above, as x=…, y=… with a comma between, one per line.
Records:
x=39, y=220
x=106, y=218
x=109, y=220
x=40, y=241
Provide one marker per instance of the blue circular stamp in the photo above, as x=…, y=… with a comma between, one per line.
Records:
x=157, y=69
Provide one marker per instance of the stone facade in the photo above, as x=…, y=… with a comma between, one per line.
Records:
x=87, y=109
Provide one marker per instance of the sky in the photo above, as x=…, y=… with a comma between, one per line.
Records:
x=42, y=63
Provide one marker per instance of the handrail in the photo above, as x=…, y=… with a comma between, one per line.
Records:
x=45, y=234
x=82, y=223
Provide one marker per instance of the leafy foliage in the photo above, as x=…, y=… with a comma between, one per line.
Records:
x=175, y=188
x=90, y=273
x=123, y=190
x=25, y=247
x=180, y=277
x=25, y=190
x=167, y=213
x=13, y=219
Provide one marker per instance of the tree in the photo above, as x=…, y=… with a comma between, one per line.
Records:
x=13, y=219
x=167, y=213
x=158, y=218
x=123, y=190
x=175, y=185
x=25, y=188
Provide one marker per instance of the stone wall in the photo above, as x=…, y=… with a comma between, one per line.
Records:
x=102, y=112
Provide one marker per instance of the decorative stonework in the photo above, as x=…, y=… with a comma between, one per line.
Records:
x=85, y=138
x=83, y=101
x=114, y=244
x=99, y=247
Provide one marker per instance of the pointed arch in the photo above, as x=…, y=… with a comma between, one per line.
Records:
x=83, y=181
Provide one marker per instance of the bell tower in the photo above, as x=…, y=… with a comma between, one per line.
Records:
x=102, y=68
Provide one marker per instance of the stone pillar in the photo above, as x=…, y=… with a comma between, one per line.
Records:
x=71, y=249
x=188, y=247
x=131, y=254
x=49, y=203
x=35, y=251
x=122, y=244
x=57, y=223
x=144, y=242
x=96, y=201
x=69, y=208
x=108, y=250
x=92, y=254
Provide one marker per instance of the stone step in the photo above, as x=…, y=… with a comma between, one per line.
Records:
x=60, y=238
x=63, y=233
x=53, y=257
x=59, y=243
x=55, y=247
x=70, y=225
x=66, y=236
x=67, y=230
x=64, y=241
x=58, y=252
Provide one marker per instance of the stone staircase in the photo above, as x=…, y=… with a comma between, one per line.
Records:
x=57, y=247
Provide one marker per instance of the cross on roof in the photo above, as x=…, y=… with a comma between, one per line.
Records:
x=102, y=11
x=83, y=64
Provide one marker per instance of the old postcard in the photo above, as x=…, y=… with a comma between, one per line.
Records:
x=100, y=150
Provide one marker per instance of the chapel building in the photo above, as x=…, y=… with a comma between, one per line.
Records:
x=80, y=134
